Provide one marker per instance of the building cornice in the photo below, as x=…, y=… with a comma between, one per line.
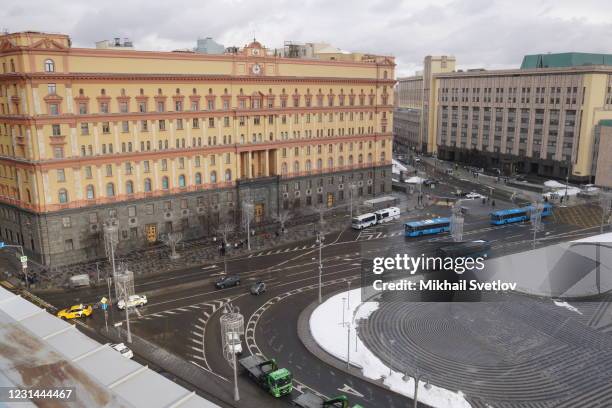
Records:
x=527, y=72
x=43, y=78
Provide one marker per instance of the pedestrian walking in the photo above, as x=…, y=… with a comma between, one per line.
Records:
x=493, y=203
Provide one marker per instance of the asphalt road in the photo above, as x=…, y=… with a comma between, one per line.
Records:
x=183, y=312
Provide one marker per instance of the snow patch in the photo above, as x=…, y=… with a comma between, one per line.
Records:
x=607, y=237
x=330, y=332
x=567, y=306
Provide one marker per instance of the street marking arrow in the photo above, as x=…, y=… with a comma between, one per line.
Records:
x=349, y=390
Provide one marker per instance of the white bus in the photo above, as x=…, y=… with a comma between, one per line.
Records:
x=387, y=214
x=363, y=221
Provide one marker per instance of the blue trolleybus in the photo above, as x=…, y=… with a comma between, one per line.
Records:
x=426, y=227
x=502, y=217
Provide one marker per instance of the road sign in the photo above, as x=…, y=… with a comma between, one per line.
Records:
x=104, y=306
x=24, y=259
x=103, y=300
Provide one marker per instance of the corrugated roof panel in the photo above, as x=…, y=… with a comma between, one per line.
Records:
x=166, y=392
x=19, y=308
x=43, y=324
x=106, y=367
x=30, y=360
x=72, y=343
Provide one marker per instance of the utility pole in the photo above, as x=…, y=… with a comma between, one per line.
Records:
x=320, y=239
x=124, y=285
x=457, y=220
x=232, y=327
x=348, y=295
x=351, y=188
x=536, y=220
x=605, y=202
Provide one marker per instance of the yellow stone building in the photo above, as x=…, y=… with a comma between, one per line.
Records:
x=164, y=141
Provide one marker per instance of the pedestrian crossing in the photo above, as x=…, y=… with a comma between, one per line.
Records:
x=368, y=235
x=208, y=308
x=282, y=251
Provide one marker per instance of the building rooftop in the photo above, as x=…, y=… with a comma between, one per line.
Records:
x=41, y=351
x=564, y=60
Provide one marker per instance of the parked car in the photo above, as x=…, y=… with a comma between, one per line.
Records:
x=258, y=288
x=474, y=196
x=123, y=349
x=429, y=182
x=226, y=281
x=133, y=301
x=75, y=311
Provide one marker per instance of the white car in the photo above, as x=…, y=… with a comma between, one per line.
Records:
x=473, y=196
x=133, y=301
x=123, y=349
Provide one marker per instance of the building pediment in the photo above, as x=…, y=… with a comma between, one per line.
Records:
x=7, y=45
x=47, y=44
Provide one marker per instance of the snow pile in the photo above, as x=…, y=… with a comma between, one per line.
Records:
x=553, y=184
x=397, y=167
x=414, y=180
x=567, y=306
x=560, y=189
x=330, y=333
x=607, y=237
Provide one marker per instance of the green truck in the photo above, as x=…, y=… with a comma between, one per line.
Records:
x=310, y=400
x=277, y=381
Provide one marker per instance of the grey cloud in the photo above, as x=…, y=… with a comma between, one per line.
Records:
x=484, y=33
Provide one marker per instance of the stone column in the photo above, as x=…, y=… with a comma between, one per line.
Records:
x=266, y=163
x=249, y=164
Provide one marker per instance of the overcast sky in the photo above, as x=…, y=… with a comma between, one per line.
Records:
x=479, y=33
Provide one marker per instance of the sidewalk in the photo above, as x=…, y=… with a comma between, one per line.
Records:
x=194, y=253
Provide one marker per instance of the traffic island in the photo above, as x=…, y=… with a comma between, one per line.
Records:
x=329, y=331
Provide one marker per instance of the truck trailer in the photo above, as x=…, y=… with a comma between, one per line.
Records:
x=277, y=381
x=311, y=400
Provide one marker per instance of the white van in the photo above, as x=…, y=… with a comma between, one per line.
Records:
x=387, y=214
x=363, y=221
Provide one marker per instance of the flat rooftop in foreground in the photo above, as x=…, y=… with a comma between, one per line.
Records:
x=38, y=350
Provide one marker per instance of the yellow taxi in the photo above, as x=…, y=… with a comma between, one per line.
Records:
x=75, y=311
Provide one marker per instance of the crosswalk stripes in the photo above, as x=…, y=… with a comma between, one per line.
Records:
x=211, y=306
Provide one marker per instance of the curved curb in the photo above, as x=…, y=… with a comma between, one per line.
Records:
x=305, y=336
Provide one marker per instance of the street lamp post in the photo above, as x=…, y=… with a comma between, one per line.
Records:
x=417, y=379
x=320, y=239
x=232, y=327
x=351, y=193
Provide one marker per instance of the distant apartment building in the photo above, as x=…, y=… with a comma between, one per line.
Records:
x=602, y=159
x=178, y=141
x=209, y=46
x=541, y=118
x=406, y=124
x=416, y=93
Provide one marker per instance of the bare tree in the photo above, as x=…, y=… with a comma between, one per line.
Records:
x=320, y=209
x=171, y=240
x=247, y=217
x=282, y=218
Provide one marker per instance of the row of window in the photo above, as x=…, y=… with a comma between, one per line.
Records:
x=147, y=186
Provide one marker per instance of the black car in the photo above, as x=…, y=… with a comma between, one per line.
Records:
x=227, y=281
x=258, y=288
